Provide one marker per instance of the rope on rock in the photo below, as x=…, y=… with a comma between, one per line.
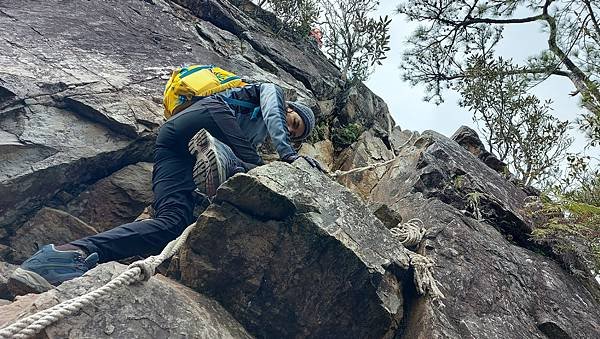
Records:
x=410, y=234
x=140, y=270
x=143, y=270
x=424, y=280
x=340, y=173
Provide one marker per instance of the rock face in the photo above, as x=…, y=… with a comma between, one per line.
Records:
x=47, y=226
x=78, y=102
x=286, y=251
x=468, y=139
x=292, y=262
x=478, y=236
x=160, y=308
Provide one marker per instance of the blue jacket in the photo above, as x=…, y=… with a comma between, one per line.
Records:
x=270, y=121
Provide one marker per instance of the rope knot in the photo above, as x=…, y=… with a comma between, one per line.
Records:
x=147, y=268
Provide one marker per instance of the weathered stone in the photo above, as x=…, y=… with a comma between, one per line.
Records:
x=327, y=268
x=48, y=226
x=389, y=217
x=95, y=104
x=367, y=150
x=301, y=59
x=322, y=151
x=400, y=138
x=362, y=106
x=439, y=168
x=159, y=308
x=116, y=199
x=469, y=140
x=81, y=99
x=492, y=285
x=5, y=271
x=62, y=150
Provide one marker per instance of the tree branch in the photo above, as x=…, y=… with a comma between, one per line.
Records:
x=594, y=20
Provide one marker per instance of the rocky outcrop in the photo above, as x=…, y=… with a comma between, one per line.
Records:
x=291, y=261
x=81, y=99
x=493, y=277
x=116, y=199
x=368, y=149
x=159, y=308
x=48, y=226
x=469, y=140
x=286, y=251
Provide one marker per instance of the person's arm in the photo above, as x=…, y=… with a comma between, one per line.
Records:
x=273, y=108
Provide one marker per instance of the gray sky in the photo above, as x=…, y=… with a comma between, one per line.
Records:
x=411, y=112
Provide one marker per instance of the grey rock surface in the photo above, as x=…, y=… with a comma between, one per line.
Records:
x=81, y=99
x=5, y=270
x=287, y=251
x=117, y=199
x=367, y=150
x=291, y=261
x=493, y=282
x=469, y=140
x=159, y=308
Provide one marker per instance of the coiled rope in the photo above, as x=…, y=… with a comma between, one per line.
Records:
x=410, y=234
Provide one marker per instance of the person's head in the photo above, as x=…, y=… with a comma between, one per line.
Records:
x=300, y=120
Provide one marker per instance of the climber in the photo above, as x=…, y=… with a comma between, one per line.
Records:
x=228, y=137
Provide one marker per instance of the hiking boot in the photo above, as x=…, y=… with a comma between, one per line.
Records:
x=215, y=162
x=49, y=266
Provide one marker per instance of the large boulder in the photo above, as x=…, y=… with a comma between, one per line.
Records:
x=48, y=226
x=368, y=149
x=158, y=308
x=494, y=278
x=116, y=199
x=469, y=140
x=290, y=253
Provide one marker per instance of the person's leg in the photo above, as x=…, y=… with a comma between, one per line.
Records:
x=173, y=188
x=173, y=184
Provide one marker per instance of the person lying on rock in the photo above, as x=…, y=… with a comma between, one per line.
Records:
x=226, y=137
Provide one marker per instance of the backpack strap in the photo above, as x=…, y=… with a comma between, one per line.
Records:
x=245, y=104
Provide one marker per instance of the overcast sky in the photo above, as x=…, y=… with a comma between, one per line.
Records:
x=411, y=112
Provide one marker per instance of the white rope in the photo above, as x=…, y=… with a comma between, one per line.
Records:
x=409, y=233
x=140, y=270
x=424, y=280
x=340, y=173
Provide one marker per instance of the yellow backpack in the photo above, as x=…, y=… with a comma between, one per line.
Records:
x=196, y=81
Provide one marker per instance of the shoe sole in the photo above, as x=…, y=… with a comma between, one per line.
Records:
x=23, y=282
x=208, y=172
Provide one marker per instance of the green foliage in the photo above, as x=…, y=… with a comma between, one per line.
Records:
x=581, y=182
x=517, y=126
x=569, y=218
x=319, y=133
x=452, y=31
x=297, y=16
x=473, y=203
x=347, y=135
x=353, y=39
x=573, y=209
x=459, y=182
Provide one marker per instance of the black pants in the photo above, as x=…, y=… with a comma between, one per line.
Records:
x=172, y=181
